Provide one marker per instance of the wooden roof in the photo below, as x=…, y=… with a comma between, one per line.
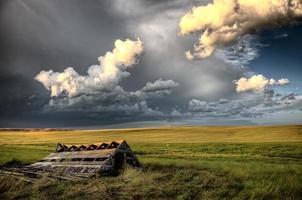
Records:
x=86, y=147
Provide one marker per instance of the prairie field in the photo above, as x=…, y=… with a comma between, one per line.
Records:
x=178, y=163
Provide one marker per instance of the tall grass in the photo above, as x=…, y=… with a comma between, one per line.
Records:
x=186, y=165
x=151, y=182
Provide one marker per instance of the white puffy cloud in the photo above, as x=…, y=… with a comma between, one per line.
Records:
x=224, y=21
x=104, y=76
x=99, y=91
x=156, y=89
x=188, y=55
x=257, y=83
x=283, y=81
x=159, y=85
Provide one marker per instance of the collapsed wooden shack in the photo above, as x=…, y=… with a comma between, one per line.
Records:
x=83, y=161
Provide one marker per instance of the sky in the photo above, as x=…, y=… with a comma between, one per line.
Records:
x=137, y=63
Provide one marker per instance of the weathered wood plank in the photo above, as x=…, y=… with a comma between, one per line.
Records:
x=73, y=162
x=81, y=154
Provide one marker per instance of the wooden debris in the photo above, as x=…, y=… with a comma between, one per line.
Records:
x=73, y=162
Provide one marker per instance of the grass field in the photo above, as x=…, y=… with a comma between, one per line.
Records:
x=179, y=163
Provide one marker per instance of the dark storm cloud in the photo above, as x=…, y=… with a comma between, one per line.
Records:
x=100, y=90
x=37, y=35
x=54, y=35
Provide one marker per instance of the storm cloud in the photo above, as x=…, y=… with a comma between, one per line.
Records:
x=52, y=73
x=99, y=91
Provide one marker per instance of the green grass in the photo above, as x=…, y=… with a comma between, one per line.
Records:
x=179, y=163
x=152, y=182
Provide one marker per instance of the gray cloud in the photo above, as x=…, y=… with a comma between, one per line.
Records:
x=159, y=85
x=249, y=106
x=116, y=100
x=157, y=25
x=241, y=52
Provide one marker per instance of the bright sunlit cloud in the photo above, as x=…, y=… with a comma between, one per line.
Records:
x=224, y=21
